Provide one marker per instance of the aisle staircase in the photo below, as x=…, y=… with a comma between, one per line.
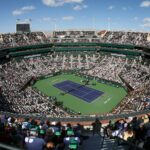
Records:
x=97, y=142
x=92, y=143
x=111, y=144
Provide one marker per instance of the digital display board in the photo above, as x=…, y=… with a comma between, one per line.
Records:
x=22, y=28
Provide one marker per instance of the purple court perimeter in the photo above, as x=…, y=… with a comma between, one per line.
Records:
x=81, y=91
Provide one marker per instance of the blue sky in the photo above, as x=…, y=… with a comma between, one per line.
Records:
x=48, y=15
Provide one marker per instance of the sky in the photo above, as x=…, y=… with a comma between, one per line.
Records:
x=49, y=15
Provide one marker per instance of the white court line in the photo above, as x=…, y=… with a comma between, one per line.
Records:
x=106, y=101
x=84, y=93
x=98, y=98
x=55, y=80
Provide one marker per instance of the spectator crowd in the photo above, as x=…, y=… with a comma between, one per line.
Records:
x=33, y=134
x=135, y=130
x=22, y=39
x=73, y=36
x=15, y=73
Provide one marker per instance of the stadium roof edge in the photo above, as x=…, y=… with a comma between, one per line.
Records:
x=96, y=30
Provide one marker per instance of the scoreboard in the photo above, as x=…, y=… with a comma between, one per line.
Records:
x=23, y=28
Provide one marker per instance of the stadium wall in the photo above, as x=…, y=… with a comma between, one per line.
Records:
x=128, y=50
x=77, y=118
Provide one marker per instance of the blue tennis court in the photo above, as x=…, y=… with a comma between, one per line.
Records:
x=81, y=91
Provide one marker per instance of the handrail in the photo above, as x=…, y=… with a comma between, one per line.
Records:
x=7, y=147
x=103, y=137
x=130, y=144
x=120, y=140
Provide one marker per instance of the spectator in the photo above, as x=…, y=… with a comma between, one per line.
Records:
x=33, y=142
x=97, y=127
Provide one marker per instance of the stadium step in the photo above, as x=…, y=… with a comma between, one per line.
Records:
x=95, y=143
x=110, y=144
x=92, y=143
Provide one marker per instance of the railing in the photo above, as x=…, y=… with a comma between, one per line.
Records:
x=132, y=146
x=103, y=134
x=76, y=118
x=119, y=141
x=7, y=147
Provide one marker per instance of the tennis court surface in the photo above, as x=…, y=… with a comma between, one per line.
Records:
x=81, y=91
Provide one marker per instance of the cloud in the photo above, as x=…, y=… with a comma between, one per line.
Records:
x=57, y=3
x=124, y=8
x=111, y=7
x=146, y=25
x=68, y=18
x=135, y=18
x=23, y=10
x=145, y=4
x=48, y=19
x=17, y=12
x=28, y=8
x=79, y=7
x=146, y=22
